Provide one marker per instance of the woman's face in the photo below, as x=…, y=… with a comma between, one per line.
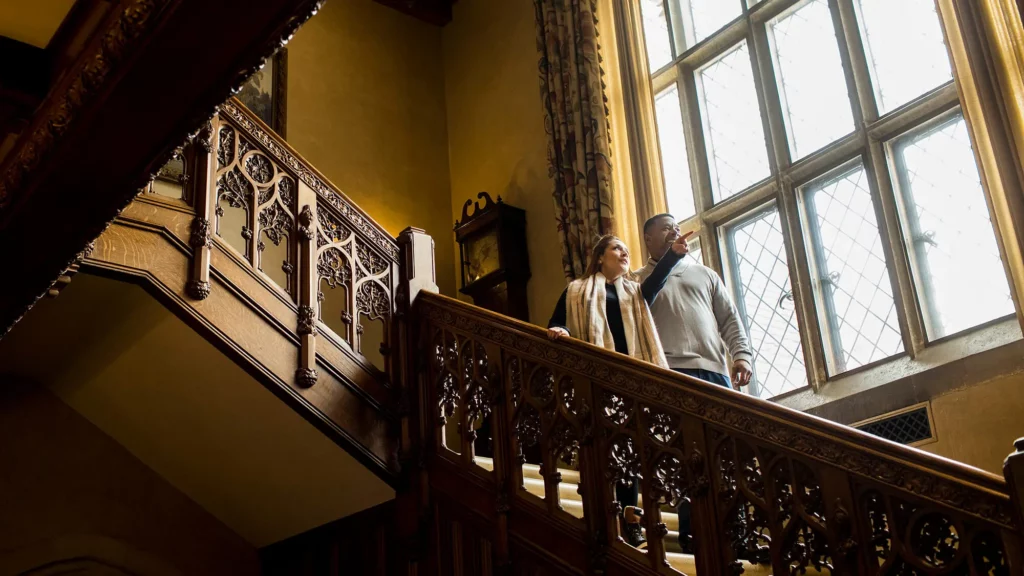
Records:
x=615, y=260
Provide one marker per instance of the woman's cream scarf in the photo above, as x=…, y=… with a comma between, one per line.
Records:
x=587, y=317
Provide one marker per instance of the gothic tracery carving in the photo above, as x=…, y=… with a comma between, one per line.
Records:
x=616, y=407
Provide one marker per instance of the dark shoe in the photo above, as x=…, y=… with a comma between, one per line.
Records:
x=634, y=535
x=686, y=544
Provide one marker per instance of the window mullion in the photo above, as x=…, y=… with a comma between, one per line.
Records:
x=852, y=50
x=883, y=196
x=768, y=97
x=801, y=284
x=880, y=182
x=696, y=149
x=936, y=102
x=674, y=29
x=710, y=250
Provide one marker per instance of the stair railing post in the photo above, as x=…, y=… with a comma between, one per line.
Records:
x=600, y=510
x=416, y=274
x=1013, y=471
x=203, y=198
x=710, y=543
x=306, y=374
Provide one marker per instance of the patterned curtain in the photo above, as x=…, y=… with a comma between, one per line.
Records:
x=576, y=122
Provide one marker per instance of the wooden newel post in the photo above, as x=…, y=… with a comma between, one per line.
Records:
x=417, y=267
x=203, y=198
x=416, y=275
x=306, y=374
x=1013, y=471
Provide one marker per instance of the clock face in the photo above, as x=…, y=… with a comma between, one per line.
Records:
x=481, y=256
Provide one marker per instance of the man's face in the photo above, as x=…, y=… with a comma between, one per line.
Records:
x=661, y=235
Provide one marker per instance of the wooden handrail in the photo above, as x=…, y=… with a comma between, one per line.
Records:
x=336, y=200
x=767, y=484
x=677, y=382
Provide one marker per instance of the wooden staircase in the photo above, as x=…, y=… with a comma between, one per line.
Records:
x=772, y=490
x=175, y=240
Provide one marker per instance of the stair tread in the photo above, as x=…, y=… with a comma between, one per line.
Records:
x=531, y=470
x=571, y=501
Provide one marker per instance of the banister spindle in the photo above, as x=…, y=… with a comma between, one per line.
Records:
x=603, y=523
x=203, y=197
x=652, y=513
x=306, y=374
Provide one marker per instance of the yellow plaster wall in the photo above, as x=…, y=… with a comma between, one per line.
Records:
x=496, y=138
x=366, y=106
x=978, y=425
x=33, y=23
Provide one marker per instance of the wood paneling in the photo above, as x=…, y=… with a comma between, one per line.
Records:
x=250, y=323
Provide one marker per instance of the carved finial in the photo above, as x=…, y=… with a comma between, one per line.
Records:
x=201, y=233
x=306, y=377
x=198, y=289
x=205, y=136
x=307, y=320
x=306, y=219
x=466, y=216
x=1019, y=444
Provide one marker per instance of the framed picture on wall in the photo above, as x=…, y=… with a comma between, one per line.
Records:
x=266, y=93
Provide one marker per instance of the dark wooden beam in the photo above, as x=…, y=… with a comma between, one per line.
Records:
x=437, y=12
x=152, y=72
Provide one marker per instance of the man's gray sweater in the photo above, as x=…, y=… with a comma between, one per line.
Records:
x=696, y=319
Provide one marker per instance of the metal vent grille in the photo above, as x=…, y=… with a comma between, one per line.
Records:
x=907, y=427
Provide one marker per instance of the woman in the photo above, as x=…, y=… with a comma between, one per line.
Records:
x=607, y=309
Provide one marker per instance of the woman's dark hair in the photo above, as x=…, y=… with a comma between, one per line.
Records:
x=595, y=257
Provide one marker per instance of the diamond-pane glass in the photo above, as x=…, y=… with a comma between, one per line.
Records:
x=733, y=134
x=761, y=277
x=958, y=269
x=674, y=162
x=709, y=16
x=809, y=72
x=695, y=251
x=860, y=314
x=906, y=51
x=656, y=36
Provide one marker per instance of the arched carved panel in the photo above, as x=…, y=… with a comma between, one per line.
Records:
x=264, y=197
x=766, y=495
x=906, y=538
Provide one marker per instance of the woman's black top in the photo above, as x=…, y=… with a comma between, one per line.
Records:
x=650, y=288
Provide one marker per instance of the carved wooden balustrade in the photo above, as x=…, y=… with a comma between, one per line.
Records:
x=275, y=213
x=250, y=244
x=771, y=490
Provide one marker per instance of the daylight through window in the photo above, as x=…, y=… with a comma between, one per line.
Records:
x=822, y=141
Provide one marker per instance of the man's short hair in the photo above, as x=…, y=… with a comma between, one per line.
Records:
x=650, y=221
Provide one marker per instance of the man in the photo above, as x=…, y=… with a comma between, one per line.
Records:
x=697, y=323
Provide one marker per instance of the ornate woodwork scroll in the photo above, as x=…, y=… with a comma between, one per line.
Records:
x=254, y=205
x=770, y=490
x=268, y=208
